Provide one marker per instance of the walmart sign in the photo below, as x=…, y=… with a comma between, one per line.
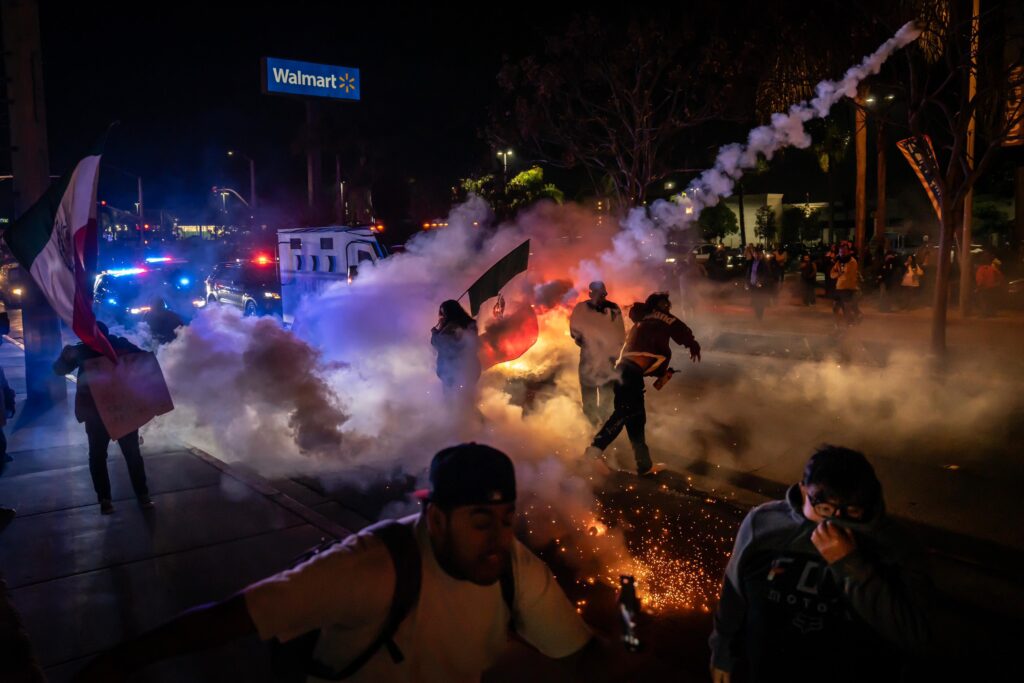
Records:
x=288, y=77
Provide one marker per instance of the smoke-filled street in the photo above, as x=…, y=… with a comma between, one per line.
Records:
x=592, y=344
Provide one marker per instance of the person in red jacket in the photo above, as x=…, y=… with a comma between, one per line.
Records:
x=988, y=280
x=646, y=353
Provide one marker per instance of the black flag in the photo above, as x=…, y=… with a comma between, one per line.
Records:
x=497, y=276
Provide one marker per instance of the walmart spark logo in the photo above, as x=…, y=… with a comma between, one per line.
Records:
x=346, y=82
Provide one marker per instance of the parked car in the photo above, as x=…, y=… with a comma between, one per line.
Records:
x=125, y=295
x=252, y=286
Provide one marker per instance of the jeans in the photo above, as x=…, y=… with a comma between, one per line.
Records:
x=629, y=413
x=99, y=440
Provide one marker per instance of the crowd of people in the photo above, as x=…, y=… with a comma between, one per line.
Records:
x=898, y=280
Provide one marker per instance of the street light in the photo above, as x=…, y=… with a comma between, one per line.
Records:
x=139, y=206
x=252, y=175
x=504, y=160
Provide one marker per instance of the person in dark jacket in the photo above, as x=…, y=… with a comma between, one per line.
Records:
x=808, y=279
x=646, y=353
x=760, y=282
x=889, y=276
x=71, y=359
x=822, y=585
x=456, y=341
x=163, y=322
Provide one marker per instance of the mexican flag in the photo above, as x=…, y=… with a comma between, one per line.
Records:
x=56, y=241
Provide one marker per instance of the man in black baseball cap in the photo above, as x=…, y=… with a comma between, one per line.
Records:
x=471, y=507
x=459, y=624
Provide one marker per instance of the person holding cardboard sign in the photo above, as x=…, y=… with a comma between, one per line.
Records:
x=75, y=357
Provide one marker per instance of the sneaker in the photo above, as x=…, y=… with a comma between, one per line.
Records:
x=651, y=470
x=146, y=503
x=6, y=517
x=106, y=507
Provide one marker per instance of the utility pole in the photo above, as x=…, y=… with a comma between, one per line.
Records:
x=31, y=169
x=313, y=160
x=340, y=184
x=142, y=210
x=966, y=272
x=861, y=148
x=252, y=185
x=880, y=208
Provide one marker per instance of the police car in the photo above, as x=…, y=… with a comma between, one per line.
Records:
x=250, y=285
x=125, y=295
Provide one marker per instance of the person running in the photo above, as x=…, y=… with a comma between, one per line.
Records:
x=478, y=587
x=646, y=353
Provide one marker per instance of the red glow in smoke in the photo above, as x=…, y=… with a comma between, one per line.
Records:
x=508, y=338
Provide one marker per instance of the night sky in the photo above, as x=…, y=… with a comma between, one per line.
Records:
x=184, y=82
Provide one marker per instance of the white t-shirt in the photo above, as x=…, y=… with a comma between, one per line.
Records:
x=454, y=633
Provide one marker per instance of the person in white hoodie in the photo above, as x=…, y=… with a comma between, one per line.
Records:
x=597, y=327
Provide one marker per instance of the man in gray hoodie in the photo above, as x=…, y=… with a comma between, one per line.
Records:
x=821, y=585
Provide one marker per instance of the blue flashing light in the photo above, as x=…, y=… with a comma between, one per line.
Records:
x=118, y=272
x=158, y=259
x=184, y=282
x=112, y=301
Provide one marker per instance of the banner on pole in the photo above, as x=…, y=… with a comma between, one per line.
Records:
x=921, y=156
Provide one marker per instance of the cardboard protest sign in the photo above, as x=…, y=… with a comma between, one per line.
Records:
x=129, y=394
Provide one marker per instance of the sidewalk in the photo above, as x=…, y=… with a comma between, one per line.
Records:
x=84, y=581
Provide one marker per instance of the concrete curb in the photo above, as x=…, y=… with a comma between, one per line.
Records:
x=266, y=489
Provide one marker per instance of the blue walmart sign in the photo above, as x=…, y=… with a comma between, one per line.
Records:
x=288, y=77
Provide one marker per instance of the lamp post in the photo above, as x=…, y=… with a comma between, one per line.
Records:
x=880, y=104
x=252, y=176
x=505, y=154
x=139, y=206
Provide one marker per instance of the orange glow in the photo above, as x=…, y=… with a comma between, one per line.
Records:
x=508, y=339
x=262, y=260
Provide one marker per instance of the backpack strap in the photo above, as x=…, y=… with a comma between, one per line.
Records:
x=400, y=541
x=508, y=594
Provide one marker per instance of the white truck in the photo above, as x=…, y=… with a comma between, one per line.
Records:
x=311, y=259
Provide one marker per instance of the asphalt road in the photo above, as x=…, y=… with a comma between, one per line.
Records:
x=736, y=429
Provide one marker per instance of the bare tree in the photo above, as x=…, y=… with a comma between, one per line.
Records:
x=934, y=78
x=613, y=102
